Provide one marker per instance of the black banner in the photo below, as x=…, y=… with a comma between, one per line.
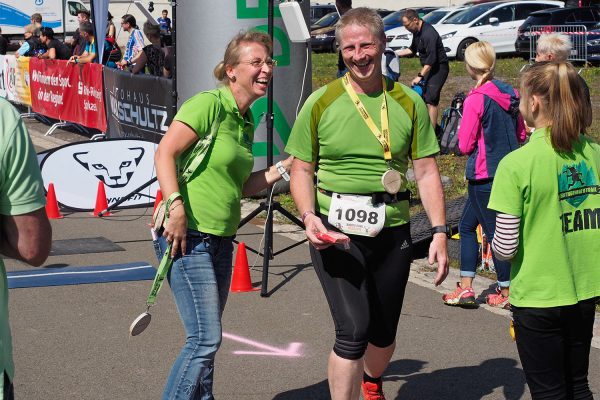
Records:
x=137, y=106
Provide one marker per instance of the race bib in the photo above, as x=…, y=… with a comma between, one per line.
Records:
x=356, y=215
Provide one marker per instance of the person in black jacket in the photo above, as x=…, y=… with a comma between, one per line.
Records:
x=31, y=46
x=428, y=44
x=3, y=44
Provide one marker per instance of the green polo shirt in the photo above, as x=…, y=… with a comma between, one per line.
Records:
x=330, y=132
x=213, y=193
x=557, y=197
x=21, y=192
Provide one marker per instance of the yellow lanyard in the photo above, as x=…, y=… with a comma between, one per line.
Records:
x=384, y=135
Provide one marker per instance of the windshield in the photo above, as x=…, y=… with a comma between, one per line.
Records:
x=328, y=19
x=75, y=7
x=435, y=16
x=393, y=18
x=470, y=14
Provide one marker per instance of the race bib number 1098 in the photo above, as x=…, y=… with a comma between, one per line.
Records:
x=356, y=215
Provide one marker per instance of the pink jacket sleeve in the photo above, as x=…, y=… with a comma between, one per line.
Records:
x=470, y=126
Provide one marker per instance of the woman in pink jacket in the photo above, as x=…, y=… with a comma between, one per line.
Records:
x=491, y=127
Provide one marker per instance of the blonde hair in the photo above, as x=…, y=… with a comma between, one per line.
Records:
x=559, y=45
x=362, y=16
x=29, y=28
x=563, y=100
x=233, y=50
x=480, y=57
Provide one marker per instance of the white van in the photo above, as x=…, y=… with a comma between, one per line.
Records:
x=495, y=22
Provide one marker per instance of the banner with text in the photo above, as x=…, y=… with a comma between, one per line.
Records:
x=68, y=92
x=14, y=79
x=139, y=106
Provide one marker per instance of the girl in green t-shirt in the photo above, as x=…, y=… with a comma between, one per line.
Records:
x=548, y=202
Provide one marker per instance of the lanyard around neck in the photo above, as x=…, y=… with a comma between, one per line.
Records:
x=384, y=135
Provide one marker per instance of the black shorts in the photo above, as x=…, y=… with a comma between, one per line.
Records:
x=435, y=81
x=364, y=286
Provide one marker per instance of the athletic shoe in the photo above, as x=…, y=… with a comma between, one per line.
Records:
x=497, y=300
x=461, y=297
x=373, y=391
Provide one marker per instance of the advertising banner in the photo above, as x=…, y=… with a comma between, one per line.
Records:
x=139, y=106
x=123, y=165
x=8, y=76
x=68, y=92
x=22, y=82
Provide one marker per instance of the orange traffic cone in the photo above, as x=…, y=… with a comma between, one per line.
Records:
x=157, y=200
x=241, y=272
x=52, y=210
x=101, y=203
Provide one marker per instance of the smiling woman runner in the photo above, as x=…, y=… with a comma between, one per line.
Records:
x=547, y=197
x=360, y=131
x=205, y=209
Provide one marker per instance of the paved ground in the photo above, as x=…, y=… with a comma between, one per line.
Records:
x=71, y=342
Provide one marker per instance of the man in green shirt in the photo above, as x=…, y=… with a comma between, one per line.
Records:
x=360, y=132
x=25, y=232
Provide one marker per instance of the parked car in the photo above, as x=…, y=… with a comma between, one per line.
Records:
x=318, y=11
x=400, y=38
x=322, y=33
x=394, y=19
x=563, y=17
x=495, y=22
x=593, y=45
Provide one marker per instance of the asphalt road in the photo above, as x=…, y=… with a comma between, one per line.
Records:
x=72, y=342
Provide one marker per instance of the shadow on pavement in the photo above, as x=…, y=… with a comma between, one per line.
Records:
x=471, y=382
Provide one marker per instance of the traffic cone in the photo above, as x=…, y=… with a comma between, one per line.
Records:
x=101, y=203
x=241, y=272
x=52, y=210
x=157, y=200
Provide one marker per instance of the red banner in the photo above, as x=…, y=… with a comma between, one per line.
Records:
x=69, y=92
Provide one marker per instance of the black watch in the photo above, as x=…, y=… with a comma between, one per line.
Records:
x=442, y=229
x=420, y=75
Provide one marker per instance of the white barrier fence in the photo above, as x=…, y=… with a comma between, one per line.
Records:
x=577, y=33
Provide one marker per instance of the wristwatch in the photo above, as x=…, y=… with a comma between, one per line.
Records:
x=282, y=171
x=442, y=229
x=420, y=75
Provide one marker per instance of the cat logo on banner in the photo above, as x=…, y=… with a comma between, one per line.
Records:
x=123, y=165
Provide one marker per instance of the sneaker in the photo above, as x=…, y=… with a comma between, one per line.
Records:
x=497, y=300
x=462, y=297
x=373, y=391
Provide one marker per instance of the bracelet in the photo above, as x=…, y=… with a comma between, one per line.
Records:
x=175, y=206
x=170, y=200
x=306, y=213
x=282, y=171
x=77, y=61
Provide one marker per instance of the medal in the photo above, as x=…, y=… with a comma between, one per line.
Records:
x=140, y=324
x=391, y=181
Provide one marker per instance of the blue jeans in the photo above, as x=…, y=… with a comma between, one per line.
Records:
x=476, y=213
x=200, y=283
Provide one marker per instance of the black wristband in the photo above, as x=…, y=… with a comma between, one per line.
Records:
x=442, y=229
x=420, y=75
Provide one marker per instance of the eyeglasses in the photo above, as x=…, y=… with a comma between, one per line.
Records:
x=409, y=23
x=259, y=63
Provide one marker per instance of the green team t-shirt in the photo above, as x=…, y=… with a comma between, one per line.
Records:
x=330, y=131
x=558, y=199
x=21, y=192
x=212, y=194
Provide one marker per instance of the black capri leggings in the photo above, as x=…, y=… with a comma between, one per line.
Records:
x=364, y=287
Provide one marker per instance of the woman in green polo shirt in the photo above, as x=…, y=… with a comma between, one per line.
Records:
x=547, y=195
x=206, y=211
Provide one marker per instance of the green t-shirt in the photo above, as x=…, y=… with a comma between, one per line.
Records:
x=213, y=193
x=21, y=192
x=330, y=132
x=558, y=199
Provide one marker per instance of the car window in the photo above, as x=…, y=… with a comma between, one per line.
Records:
x=434, y=17
x=538, y=19
x=328, y=20
x=393, y=18
x=470, y=14
x=523, y=10
x=504, y=14
x=580, y=16
x=74, y=8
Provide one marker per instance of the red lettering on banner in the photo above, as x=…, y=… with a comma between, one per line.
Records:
x=68, y=92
